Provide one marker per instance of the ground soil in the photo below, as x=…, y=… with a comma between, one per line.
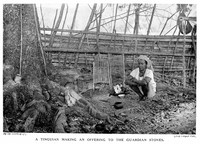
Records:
x=171, y=111
x=167, y=113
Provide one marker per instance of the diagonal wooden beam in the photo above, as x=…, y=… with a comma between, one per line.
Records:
x=152, y=15
x=72, y=25
x=123, y=56
x=167, y=22
x=39, y=37
x=57, y=25
x=109, y=55
x=86, y=29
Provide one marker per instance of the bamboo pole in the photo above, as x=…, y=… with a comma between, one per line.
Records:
x=98, y=58
x=21, y=50
x=103, y=9
x=113, y=52
x=59, y=59
x=125, y=13
x=195, y=63
x=148, y=31
x=98, y=23
x=115, y=20
x=175, y=50
x=152, y=15
x=135, y=31
x=189, y=59
x=171, y=38
x=170, y=30
x=167, y=22
x=83, y=35
x=136, y=26
x=64, y=23
x=42, y=21
x=119, y=43
x=88, y=25
x=184, y=73
x=54, y=21
x=86, y=62
x=98, y=31
x=188, y=65
x=73, y=23
x=105, y=42
x=119, y=18
x=39, y=38
x=99, y=26
x=163, y=72
x=128, y=36
x=123, y=57
x=168, y=50
x=109, y=55
x=57, y=25
x=62, y=36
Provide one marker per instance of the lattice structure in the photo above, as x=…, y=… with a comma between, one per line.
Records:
x=116, y=69
x=101, y=71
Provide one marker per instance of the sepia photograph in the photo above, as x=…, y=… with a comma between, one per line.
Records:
x=105, y=69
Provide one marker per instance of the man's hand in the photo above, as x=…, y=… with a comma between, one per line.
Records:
x=133, y=79
x=147, y=79
x=130, y=80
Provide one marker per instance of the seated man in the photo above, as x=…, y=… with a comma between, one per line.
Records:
x=141, y=79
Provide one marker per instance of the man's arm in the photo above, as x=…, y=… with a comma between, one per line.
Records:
x=144, y=81
x=133, y=81
x=130, y=80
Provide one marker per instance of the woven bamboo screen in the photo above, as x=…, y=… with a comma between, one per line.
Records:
x=100, y=71
x=166, y=52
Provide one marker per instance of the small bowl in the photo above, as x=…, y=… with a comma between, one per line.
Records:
x=121, y=95
x=100, y=127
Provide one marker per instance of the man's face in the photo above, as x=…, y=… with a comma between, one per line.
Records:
x=142, y=64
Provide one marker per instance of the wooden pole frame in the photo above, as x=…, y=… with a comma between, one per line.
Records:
x=84, y=35
x=42, y=20
x=64, y=64
x=21, y=50
x=135, y=31
x=148, y=30
x=113, y=52
x=98, y=23
x=168, y=50
x=184, y=66
x=123, y=56
x=54, y=21
x=115, y=20
x=137, y=12
x=39, y=38
x=174, y=50
x=57, y=25
x=188, y=38
x=118, y=18
x=152, y=15
x=167, y=22
x=109, y=55
x=73, y=23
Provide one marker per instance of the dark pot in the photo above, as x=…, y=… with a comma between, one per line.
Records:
x=118, y=105
x=100, y=127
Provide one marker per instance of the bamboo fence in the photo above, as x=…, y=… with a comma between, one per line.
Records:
x=169, y=53
x=166, y=52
